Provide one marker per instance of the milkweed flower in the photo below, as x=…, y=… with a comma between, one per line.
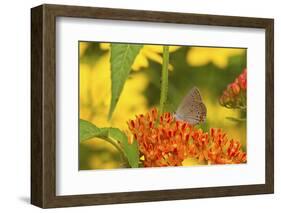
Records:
x=164, y=144
x=215, y=148
x=235, y=95
x=164, y=141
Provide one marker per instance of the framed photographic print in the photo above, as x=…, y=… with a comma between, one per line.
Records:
x=135, y=106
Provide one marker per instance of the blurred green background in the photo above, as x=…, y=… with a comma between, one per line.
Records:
x=208, y=68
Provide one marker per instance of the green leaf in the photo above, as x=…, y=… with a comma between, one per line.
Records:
x=130, y=150
x=116, y=137
x=89, y=130
x=121, y=60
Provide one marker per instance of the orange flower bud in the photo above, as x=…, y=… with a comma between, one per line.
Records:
x=235, y=88
x=232, y=95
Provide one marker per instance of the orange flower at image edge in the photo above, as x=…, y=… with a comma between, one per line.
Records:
x=168, y=142
x=235, y=96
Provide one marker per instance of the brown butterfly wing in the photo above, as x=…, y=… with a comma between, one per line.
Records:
x=192, y=109
x=193, y=95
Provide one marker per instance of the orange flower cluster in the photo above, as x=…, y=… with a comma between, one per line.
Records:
x=167, y=142
x=215, y=148
x=235, y=94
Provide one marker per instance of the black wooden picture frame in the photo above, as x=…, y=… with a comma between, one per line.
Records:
x=43, y=105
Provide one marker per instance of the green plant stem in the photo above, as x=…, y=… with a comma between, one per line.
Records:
x=164, y=80
x=236, y=119
x=115, y=144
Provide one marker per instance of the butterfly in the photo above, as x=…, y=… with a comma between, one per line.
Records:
x=192, y=109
